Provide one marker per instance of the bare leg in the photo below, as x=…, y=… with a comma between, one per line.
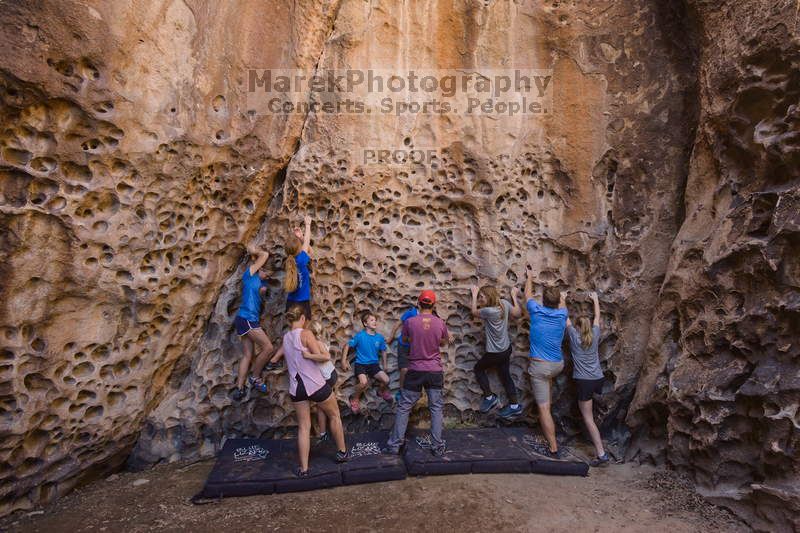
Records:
x=244, y=364
x=588, y=419
x=263, y=347
x=548, y=426
x=331, y=408
x=383, y=379
x=321, y=421
x=303, y=432
x=361, y=386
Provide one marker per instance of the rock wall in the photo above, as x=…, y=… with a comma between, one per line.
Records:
x=721, y=383
x=133, y=167
x=586, y=196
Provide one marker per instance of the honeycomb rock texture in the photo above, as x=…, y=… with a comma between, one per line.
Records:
x=665, y=176
x=130, y=171
x=586, y=196
x=719, y=392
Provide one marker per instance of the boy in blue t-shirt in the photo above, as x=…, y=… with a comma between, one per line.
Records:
x=368, y=345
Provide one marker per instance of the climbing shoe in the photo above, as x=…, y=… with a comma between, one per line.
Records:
x=257, y=384
x=299, y=472
x=355, y=406
x=390, y=451
x=554, y=454
x=438, y=452
x=601, y=460
x=510, y=412
x=342, y=456
x=488, y=403
x=239, y=394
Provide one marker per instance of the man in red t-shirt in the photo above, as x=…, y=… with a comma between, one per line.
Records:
x=426, y=333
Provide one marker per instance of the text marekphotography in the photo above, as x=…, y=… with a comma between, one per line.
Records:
x=509, y=92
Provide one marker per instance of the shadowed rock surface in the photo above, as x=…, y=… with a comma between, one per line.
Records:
x=665, y=176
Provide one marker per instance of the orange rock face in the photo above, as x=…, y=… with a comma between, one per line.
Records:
x=135, y=160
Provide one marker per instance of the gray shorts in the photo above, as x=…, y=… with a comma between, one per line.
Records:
x=542, y=372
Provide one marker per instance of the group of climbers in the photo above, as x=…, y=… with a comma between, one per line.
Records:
x=420, y=334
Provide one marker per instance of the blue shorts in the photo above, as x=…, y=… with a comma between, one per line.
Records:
x=243, y=326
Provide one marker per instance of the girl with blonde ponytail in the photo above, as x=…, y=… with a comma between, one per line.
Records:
x=588, y=374
x=297, y=273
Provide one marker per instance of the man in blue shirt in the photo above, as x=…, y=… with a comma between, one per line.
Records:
x=402, y=347
x=368, y=345
x=548, y=322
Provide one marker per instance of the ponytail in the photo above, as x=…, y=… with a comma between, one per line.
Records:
x=585, y=329
x=291, y=276
x=294, y=313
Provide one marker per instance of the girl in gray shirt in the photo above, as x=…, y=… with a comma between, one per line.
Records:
x=588, y=375
x=494, y=311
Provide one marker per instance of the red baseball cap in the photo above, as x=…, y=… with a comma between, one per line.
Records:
x=427, y=297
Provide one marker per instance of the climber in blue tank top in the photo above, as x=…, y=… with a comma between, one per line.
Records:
x=297, y=279
x=247, y=323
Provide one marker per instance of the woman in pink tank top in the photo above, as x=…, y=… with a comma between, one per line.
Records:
x=306, y=383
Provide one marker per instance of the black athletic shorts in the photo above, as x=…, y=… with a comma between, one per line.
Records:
x=416, y=380
x=306, y=306
x=402, y=355
x=369, y=370
x=318, y=397
x=244, y=326
x=588, y=388
x=333, y=379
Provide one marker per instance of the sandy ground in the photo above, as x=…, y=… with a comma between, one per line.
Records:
x=622, y=497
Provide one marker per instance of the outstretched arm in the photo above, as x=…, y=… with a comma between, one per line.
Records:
x=528, y=286
x=307, y=234
x=596, y=309
x=516, y=310
x=475, y=311
x=258, y=257
x=563, y=299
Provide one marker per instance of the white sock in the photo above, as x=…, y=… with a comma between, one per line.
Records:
x=490, y=397
x=514, y=406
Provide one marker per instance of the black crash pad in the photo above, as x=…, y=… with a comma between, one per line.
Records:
x=367, y=464
x=259, y=466
x=491, y=450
